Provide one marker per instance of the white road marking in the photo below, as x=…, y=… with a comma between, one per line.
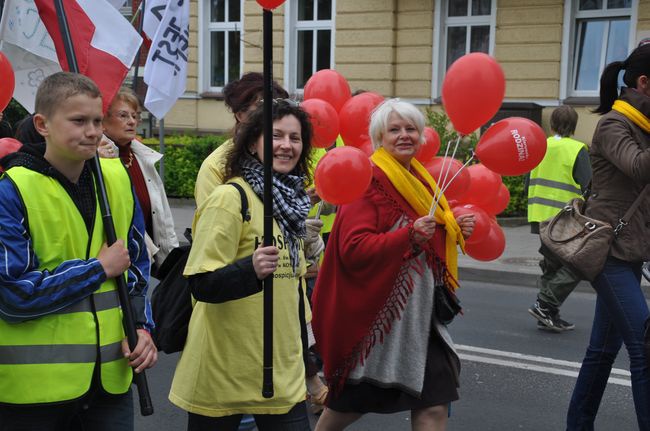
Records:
x=531, y=363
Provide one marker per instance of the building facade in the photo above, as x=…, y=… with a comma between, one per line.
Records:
x=551, y=51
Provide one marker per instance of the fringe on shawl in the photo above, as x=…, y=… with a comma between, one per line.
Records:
x=396, y=301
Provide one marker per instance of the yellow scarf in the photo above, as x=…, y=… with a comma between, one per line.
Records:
x=420, y=199
x=633, y=114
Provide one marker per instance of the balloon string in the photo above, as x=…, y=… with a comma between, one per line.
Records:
x=442, y=181
x=457, y=173
x=453, y=154
x=319, y=207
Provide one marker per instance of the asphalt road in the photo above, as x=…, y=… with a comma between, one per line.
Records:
x=513, y=377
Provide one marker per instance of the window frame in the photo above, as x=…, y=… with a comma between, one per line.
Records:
x=572, y=16
x=441, y=24
x=292, y=26
x=205, y=29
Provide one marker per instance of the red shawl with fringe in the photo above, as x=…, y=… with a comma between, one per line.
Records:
x=360, y=289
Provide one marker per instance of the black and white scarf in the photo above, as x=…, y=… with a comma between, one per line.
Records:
x=290, y=203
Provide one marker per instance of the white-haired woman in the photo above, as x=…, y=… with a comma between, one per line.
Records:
x=383, y=348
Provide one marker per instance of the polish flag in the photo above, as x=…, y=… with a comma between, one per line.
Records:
x=104, y=42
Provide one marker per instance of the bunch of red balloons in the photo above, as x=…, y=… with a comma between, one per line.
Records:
x=472, y=93
x=343, y=174
x=474, y=190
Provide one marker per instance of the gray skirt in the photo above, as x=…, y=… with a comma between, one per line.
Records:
x=441, y=382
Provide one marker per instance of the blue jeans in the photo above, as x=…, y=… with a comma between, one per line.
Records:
x=620, y=316
x=93, y=412
x=294, y=420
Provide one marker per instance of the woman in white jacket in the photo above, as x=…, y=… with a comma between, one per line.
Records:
x=120, y=140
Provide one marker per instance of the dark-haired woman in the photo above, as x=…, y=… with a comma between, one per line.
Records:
x=241, y=98
x=620, y=157
x=219, y=374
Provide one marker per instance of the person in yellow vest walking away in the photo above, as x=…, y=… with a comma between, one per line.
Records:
x=565, y=173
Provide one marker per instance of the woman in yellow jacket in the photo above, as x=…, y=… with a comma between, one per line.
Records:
x=219, y=375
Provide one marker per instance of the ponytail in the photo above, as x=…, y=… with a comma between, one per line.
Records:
x=609, y=87
x=636, y=64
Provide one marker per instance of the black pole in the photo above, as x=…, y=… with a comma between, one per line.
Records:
x=134, y=85
x=267, y=283
x=128, y=321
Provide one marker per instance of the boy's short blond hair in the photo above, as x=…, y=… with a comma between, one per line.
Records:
x=60, y=86
x=128, y=96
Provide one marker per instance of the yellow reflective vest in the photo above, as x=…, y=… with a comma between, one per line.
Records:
x=551, y=182
x=52, y=358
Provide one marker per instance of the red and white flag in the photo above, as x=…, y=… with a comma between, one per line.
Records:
x=104, y=42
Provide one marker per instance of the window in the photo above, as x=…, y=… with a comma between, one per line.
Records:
x=460, y=27
x=221, y=60
x=601, y=34
x=468, y=28
x=310, y=40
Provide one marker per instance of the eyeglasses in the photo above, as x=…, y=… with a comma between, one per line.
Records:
x=125, y=116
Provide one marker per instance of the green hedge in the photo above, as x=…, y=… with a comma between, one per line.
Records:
x=183, y=157
x=441, y=124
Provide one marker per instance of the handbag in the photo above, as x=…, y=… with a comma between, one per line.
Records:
x=579, y=242
x=446, y=304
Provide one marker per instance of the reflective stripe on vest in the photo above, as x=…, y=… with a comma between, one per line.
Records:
x=52, y=358
x=551, y=183
x=59, y=354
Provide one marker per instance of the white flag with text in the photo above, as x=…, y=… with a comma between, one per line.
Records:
x=166, y=67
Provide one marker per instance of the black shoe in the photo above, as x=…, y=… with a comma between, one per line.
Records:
x=549, y=318
x=563, y=326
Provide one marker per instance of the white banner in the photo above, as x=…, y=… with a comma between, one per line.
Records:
x=153, y=15
x=29, y=48
x=166, y=67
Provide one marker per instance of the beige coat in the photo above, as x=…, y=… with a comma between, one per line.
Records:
x=620, y=158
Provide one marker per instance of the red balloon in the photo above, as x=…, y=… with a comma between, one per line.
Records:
x=366, y=147
x=8, y=81
x=7, y=146
x=431, y=145
x=342, y=175
x=512, y=146
x=330, y=86
x=491, y=247
x=482, y=221
x=270, y=4
x=354, y=117
x=472, y=91
x=324, y=122
x=499, y=202
x=459, y=186
x=484, y=185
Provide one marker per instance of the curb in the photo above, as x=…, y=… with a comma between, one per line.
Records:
x=521, y=279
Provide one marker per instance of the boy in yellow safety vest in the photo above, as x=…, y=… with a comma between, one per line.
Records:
x=563, y=174
x=63, y=354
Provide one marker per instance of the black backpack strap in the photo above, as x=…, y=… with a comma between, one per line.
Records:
x=245, y=213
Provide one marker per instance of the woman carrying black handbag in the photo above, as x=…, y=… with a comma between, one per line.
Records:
x=620, y=157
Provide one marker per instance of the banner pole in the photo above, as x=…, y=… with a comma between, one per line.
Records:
x=267, y=283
